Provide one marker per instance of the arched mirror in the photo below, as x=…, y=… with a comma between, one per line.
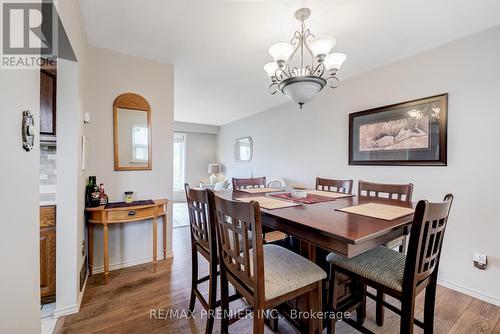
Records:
x=132, y=132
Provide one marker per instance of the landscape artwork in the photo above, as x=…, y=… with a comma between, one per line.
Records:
x=412, y=133
x=397, y=134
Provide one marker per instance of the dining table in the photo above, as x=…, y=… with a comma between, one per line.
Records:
x=321, y=226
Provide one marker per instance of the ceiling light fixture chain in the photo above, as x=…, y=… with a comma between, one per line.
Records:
x=301, y=82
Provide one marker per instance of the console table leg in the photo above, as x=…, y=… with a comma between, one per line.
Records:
x=155, y=242
x=165, y=236
x=106, y=254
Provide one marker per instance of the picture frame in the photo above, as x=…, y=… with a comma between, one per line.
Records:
x=412, y=133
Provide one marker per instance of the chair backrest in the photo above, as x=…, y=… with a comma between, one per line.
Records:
x=341, y=186
x=202, y=229
x=256, y=182
x=426, y=239
x=400, y=192
x=240, y=243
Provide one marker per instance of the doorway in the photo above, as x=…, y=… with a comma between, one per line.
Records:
x=180, y=216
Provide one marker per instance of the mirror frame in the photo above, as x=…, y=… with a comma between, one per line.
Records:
x=236, y=149
x=135, y=102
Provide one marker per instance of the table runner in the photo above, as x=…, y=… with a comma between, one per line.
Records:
x=310, y=199
x=259, y=190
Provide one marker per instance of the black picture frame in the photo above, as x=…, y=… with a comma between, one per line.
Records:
x=373, y=140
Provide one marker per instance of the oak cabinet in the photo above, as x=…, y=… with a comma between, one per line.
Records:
x=47, y=251
x=48, y=84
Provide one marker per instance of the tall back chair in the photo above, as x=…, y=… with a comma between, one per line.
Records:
x=266, y=275
x=340, y=186
x=400, y=192
x=203, y=241
x=402, y=277
x=256, y=182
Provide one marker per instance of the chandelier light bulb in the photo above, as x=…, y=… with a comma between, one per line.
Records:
x=321, y=46
x=334, y=61
x=271, y=68
x=281, y=52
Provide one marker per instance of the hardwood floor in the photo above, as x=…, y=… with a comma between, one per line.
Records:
x=125, y=304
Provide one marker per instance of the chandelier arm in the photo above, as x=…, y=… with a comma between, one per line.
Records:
x=280, y=74
x=273, y=88
x=334, y=81
x=320, y=69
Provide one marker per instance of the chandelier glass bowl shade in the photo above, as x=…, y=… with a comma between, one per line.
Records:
x=304, y=66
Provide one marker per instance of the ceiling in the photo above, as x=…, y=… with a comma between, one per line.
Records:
x=219, y=47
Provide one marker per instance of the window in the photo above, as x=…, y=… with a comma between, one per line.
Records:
x=139, y=142
x=179, y=161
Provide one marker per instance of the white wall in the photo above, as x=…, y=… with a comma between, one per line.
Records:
x=110, y=74
x=70, y=185
x=19, y=204
x=303, y=144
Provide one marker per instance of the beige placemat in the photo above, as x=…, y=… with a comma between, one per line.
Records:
x=259, y=190
x=381, y=211
x=269, y=202
x=328, y=194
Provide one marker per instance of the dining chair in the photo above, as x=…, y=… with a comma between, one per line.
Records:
x=400, y=276
x=341, y=186
x=203, y=241
x=254, y=182
x=399, y=192
x=265, y=275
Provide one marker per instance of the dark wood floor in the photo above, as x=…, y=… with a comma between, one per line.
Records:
x=123, y=306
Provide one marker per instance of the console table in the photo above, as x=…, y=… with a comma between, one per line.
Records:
x=121, y=213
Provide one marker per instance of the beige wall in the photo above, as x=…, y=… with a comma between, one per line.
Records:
x=110, y=74
x=303, y=144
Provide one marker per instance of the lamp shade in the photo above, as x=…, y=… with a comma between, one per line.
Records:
x=213, y=168
x=322, y=45
x=334, y=60
x=281, y=51
x=271, y=68
x=303, y=89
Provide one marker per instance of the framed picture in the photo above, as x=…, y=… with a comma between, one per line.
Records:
x=410, y=133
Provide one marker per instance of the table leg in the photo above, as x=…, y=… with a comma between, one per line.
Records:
x=155, y=243
x=106, y=254
x=90, y=241
x=165, y=236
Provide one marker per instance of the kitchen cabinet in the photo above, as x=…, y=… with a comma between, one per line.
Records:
x=47, y=251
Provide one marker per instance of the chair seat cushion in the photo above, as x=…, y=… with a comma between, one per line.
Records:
x=285, y=271
x=381, y=265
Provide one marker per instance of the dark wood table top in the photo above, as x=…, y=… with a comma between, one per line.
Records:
x=328, y=223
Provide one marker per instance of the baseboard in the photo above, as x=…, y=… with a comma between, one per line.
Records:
x=80, y=295
x=58, y=312
x=469, y=292
x=114, y=266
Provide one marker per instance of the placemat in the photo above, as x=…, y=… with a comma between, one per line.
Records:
x=268, y=202
x=259, y=190
x=124, y=205
x=328, y=194
x=380, y=211
x=310, y=199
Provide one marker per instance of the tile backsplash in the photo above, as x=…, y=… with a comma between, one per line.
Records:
x=47, y=164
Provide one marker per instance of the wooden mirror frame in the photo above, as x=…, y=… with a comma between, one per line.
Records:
x=134, y=102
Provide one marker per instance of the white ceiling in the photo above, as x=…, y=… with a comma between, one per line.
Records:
x=218, y=48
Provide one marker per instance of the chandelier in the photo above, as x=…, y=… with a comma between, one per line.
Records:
x=304, y=66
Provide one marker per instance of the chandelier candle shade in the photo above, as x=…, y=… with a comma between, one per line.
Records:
x=304, y=66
